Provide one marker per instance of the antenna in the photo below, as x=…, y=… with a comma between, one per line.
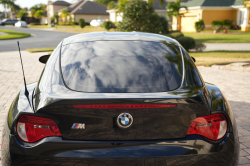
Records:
x=25, y=87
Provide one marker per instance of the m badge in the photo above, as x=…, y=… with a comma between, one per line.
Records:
x=78, y=126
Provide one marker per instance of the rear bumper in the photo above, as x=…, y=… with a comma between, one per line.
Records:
x=193, y=150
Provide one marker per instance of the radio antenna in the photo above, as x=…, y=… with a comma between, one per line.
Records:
x=25, y=86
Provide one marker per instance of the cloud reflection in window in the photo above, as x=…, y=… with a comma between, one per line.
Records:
x=120, y=66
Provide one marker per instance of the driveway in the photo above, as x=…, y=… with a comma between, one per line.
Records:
x=222, y=47
x=234, y=84
x=39, y=39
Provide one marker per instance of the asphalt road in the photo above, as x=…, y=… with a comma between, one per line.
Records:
x=39, y=39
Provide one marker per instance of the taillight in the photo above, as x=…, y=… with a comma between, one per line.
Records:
x=33, y=128
x=124, y=106
x=213, y=127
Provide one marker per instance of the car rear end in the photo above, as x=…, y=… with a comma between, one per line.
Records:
x=126, y=103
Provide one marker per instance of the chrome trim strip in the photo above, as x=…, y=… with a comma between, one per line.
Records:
x=183, y=66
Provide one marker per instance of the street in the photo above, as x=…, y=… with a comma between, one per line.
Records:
x=39, y=39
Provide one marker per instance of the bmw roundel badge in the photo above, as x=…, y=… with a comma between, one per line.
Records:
x=124, y=120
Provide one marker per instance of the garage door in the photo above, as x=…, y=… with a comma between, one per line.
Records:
x=187, y=23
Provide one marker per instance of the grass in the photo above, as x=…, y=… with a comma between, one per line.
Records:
x=71, y=28
x=13, y=34
x=233, y=36
x=215, y=57
x=41, y=50
x=210, y=37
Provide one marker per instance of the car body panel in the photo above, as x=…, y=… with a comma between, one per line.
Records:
x=50, y=98
x=8, y=22
x=21, y=24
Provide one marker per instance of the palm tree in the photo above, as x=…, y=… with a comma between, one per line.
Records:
x=162, y=2
x=5, y=5
x=65, y=14
x=173, y=9
x=22, y=13
x=35, y=8
x=10, y=4
x=13, y=8
x=39, y=14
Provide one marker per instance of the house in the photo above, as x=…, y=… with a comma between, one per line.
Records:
x=54, y=7
x=116, y=17
x=211, y=10
x=88, y=10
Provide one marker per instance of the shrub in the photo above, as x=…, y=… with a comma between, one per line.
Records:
x=159, y=23
x=187, y=42
x=199, y=26
x=71, y=21
x=169, y=35
x=82, y=23
x=107, y=25
x=35, y=23
x=139, y=16
x=227, y=24
x=217, y=25
x=52, y=19
x=175, y=31
x=176, y=34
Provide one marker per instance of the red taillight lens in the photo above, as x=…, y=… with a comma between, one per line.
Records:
x=213, y=127
x=32, y=128
x=124, y=106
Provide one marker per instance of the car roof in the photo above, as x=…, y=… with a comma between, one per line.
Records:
x=98, y=36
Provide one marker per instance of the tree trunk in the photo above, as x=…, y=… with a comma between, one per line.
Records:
x=5, y=11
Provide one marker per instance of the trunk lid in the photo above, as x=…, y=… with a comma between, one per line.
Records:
x=148, y=123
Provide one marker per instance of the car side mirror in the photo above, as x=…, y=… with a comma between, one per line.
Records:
x=193, y=59
x=44, y=58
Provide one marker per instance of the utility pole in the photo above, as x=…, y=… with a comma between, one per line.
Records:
x=48, y=14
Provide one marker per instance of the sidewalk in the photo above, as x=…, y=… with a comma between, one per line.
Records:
x=222, y=47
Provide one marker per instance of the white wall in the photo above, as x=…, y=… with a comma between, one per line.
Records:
x=88, y=18
x=116, y=17
x=113, y=16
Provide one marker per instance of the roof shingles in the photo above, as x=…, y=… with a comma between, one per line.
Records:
x=62, y=3
x=87, y=7
x=212, y=3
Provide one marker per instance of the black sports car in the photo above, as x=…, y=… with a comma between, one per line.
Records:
x=120, y=99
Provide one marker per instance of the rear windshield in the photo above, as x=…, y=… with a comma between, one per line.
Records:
x=121, y=66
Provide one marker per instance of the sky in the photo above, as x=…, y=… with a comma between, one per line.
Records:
x=30, y=3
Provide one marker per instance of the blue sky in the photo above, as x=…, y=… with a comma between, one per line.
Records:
x=29, y=3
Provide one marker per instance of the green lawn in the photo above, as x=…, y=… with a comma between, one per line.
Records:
x=41, y=50
x=233, y=36
x=71, y=28
x=210, y=58
x=210, y=37
x=13, y=34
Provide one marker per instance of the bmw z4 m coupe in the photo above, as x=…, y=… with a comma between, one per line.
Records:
x=112, y=98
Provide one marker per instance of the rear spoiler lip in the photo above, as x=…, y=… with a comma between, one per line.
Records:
x=46, y=99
